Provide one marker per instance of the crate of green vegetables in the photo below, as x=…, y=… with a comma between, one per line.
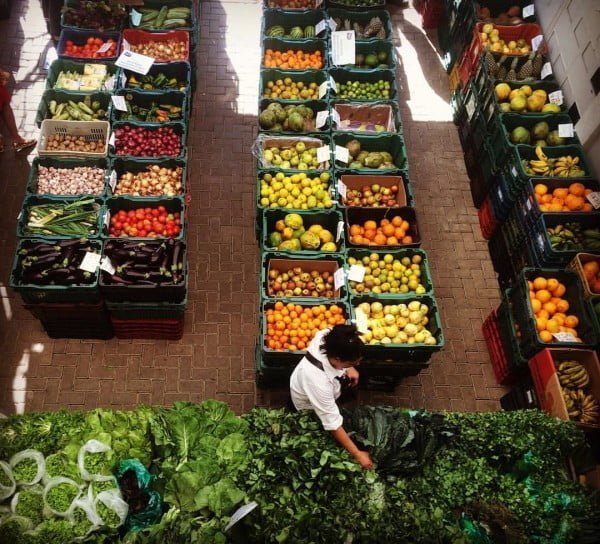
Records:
x=60, y=217
x=77, y=76
x=65, y=106
x=150, y=107
x=174, y=76
x=50, y=270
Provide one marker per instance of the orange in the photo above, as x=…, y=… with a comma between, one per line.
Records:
x=552, y=284
x=370, y=225
x=550, y=307
x=562, y=306
x=388, y=229
x=405, y=225
x=540, y=189
x=574, y=203
x=540, y=283
x=399, y=233
x=546, y=199
x=397, y=221
x=552, y=325
x=577, y=189
x=370, y=234
x=407, y=240
x=587, y=207
x=536, y=305
x=380, y=239
x=545, y=336
x=384, y=221
x=392, y=241
x=555, y=207
x=560, y=290
x=530, y=285
x=540, y=323
x=559, y=318
x=572, y=321
x=355, y=229
x=561, y=192
x=543, y=313
x=543, y=295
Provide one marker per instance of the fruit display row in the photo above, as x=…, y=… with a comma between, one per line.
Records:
x=319, y=194
x=107, y=233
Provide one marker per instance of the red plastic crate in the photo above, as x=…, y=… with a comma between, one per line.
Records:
x=159, y=329
x=526, y=31
x=487, y=221
x=137, y=37
x=491, y=334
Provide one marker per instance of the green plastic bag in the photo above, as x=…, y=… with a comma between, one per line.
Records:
x=151, y=514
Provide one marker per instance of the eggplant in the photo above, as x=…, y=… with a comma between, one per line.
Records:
x=58, y=274
x=118, y=279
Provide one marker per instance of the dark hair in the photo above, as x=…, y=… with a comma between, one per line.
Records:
x=344, y=343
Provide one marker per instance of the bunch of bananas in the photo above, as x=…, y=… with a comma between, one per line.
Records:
x=563, y=167
x=571, y=236
x=581, y=406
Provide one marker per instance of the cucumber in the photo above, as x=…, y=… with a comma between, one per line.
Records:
x=84, y=109
x=162, y=17
x=175, y=23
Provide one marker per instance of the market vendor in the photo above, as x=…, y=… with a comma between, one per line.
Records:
x=318, y=379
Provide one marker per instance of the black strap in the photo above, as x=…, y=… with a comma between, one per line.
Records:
x=314, y=361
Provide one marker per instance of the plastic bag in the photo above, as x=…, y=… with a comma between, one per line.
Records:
x=355, y=117
x=34, y=508
x=92, y=446
x=113, y=501
x=95, y=488
x=7, y=490
x=24, y=455
x=86, y=506
x=265, y=141
x=54, y=482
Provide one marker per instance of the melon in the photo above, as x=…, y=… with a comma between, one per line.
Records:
x=309, y=31
x=296, y=33
x=276, y=31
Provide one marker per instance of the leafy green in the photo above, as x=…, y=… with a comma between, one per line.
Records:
x=98, y=463
x=60, y=497
x=13, y=529
x=105, y=485
x=81, y=524
x=25, y=470
x=53, y=531
x=4, y=479
x=108, y=515
x=30, y=504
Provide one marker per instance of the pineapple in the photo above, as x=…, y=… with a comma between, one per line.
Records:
x=527, y=68
x=536, y=66
x=512, y=73
x=501, y=73
x=373, y=28
x=491, y=64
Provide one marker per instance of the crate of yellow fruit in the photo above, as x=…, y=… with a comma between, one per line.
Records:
x=550, y=309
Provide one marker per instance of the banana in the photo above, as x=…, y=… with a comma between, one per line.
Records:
x=540, y=154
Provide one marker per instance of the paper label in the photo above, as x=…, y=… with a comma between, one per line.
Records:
x=356, y=273
x=321, y=118
x=140, y=64
x=556, y=97
x=90, y=261
x=594, y=199
x=111, y=139
x=362, y=322
x=123, y=79
x=340, y=231
x=323, y=153
x=104, y=47
x=343, y=47
x=119, y=102
x=335, y=116
x=339, y=278
x=342, y=154
x=564, y=337
x=240, y=513
x=342, y=189
x=323, y=89
x=529, y=396
x=566, y=130
x=136, y=17
x=332, y=25
x=528, y=11
x=513, y=171
x=106, y=265
x=546, y=70
x=125, y=45
x=536, y=42
x=529, y=205
x=113, y=180
x=470, y=106
x=333, y=84
x=320, y=27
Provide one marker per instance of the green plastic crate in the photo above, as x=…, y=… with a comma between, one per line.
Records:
x=315, y=105
x=385, y=180
x=379, y=47
x=43, y=111
x=404, y=352
x=509, y=336
x=292, y=19
x=342, y=75
x=392, y=143
x=286, y=142
x=32, y=179
x=527, y=152
x=65, y=65
x=324, y=263
x=33, y=293
x=192, y=27
x=392, y=104
x=425, y=278
x=305, y=76
x=358, y=216
x=145, y=99
x=75, y=3
x=363, y=18
x=35, y=200
x=180, y=128
x=122, y=165
x=330, y=220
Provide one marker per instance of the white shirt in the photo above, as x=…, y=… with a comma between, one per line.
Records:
x=314, y=389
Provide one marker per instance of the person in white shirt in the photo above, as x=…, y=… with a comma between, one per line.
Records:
x=316, y=382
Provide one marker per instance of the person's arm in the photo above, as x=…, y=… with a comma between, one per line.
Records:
x=353, y=375
x=362, y=457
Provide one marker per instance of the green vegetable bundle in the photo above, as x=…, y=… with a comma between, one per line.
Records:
x=78, y=218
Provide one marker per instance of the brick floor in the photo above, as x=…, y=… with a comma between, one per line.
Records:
x=215, y=358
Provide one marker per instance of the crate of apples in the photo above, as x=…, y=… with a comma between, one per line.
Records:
x=372, y=191
x=295, y=278
x=391, y=232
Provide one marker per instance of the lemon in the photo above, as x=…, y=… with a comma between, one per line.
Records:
x=280, y=176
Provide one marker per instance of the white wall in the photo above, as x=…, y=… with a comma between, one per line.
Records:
x=572, y=31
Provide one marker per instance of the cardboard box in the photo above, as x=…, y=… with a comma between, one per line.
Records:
x=547, y=385
x=352, y=116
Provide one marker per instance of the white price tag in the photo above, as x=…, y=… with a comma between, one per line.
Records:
x=323, y=154
x=339, y=278
x=123, y=79
x=323, y=89
x=343, y=47
x=342, y=189
x=362, y=322
x=342, y=154
x=528, y=11
x=556, y=98
x=536, y=41
x=356, y=273
x=320, y=27
x=333, y=84
x=594, y=199
x=136, y=17
x=529, y=396
x=529, y=205
x=119, y=102
x=140, y=64
x=125, y=45
x=332, y=25
x=240, y=513
x=110, y=83
x=335, y=116
x=113, y=180
x=111, y=139
x=104, y=47
x=90, y=262
x=566, y=130
x=513, y=171
x=546, y=70
x=340, y=231
x=106, y=265
x=321, y=118
x=107, y=218
x=470, y=106
x=564, y=337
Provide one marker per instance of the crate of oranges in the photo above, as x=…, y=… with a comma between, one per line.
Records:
x=288, y=327
x=550, y=309
x=382, y=227
x=558, y=195
x=285, y=55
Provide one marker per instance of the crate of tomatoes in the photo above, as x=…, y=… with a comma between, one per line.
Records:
x=89, y=44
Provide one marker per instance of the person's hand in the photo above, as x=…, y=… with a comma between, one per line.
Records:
x=353, y=375
x=364, y=460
